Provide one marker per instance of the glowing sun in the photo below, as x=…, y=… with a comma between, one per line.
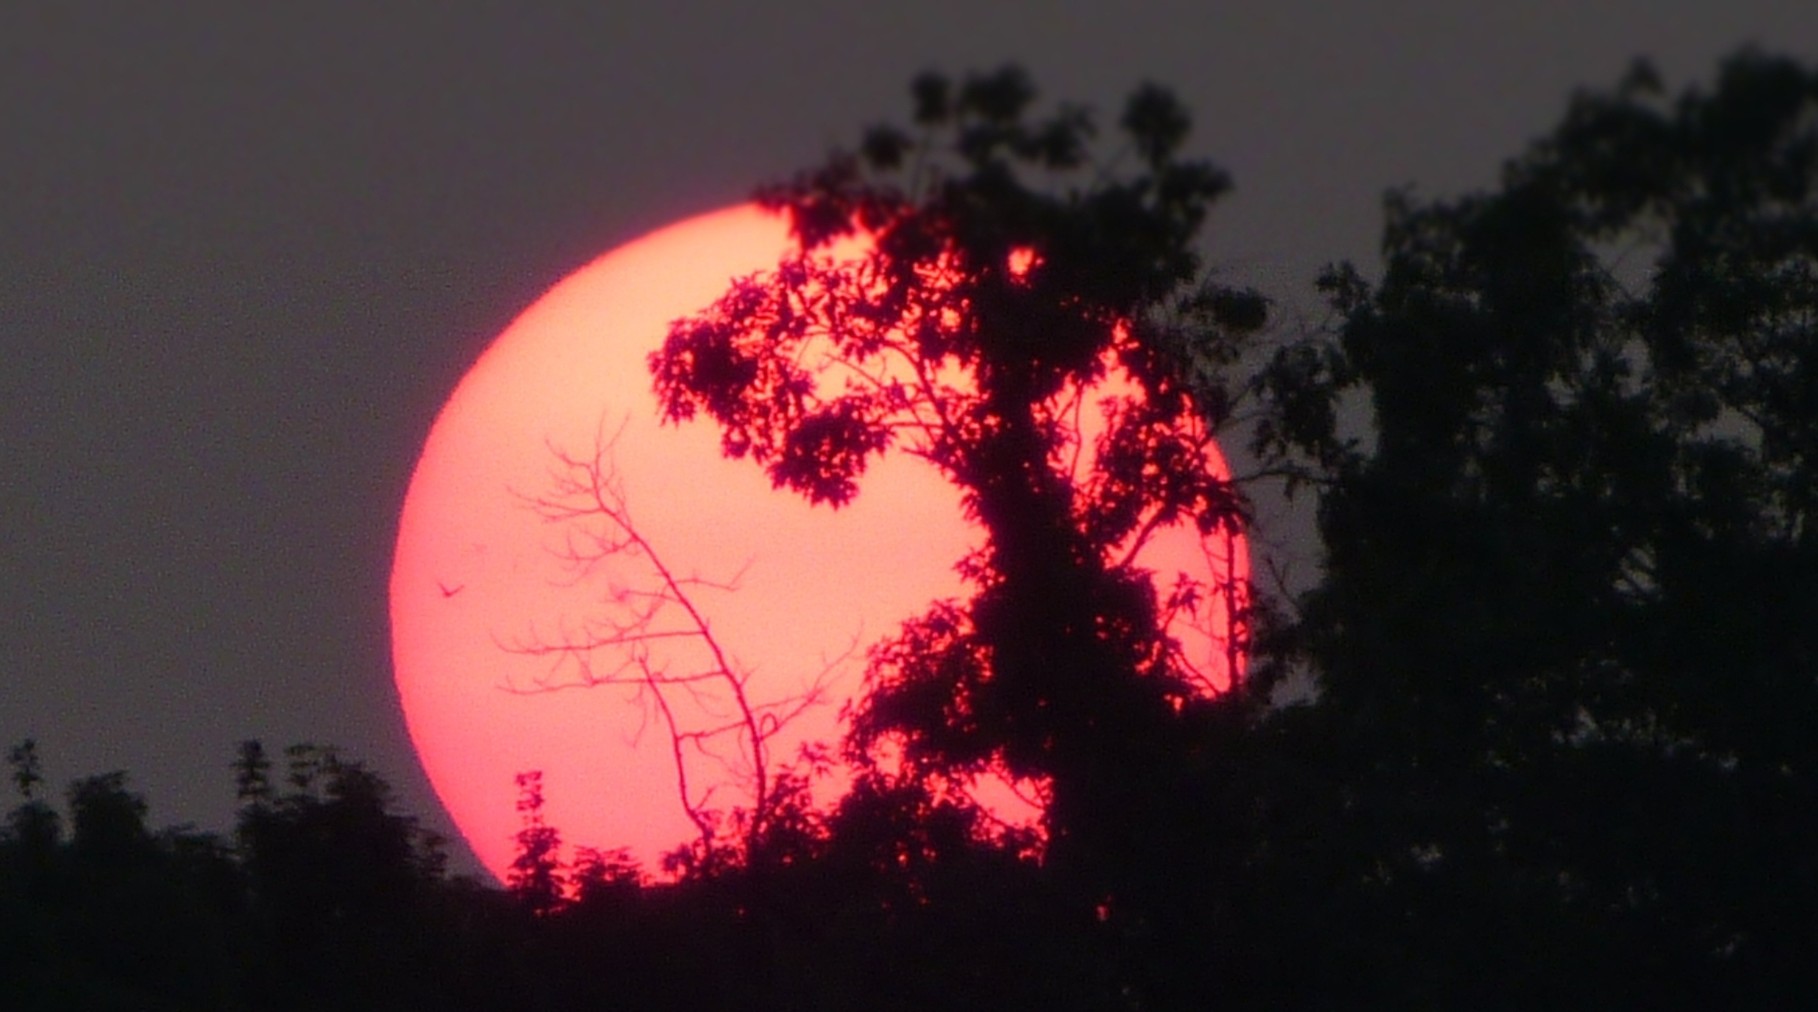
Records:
x=487, y=577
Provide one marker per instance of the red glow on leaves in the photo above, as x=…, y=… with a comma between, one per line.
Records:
x=795, y=593
x=1022, y=260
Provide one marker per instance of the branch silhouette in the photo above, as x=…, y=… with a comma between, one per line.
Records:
x=641, y=639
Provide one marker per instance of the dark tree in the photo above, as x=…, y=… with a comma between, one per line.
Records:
x=252, y=775
x=34, y=825
x=338, y=884
x=1558, y=750
x=961, y=290
x=536, y=871
x=1564, y=640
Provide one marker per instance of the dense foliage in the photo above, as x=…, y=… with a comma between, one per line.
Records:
x=1005, y=282
x=1564, y=637
x=325, y=898
x=1559, y=744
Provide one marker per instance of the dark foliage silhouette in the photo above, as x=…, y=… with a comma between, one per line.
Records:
x=1557, y=748
x=1564, y=641
x=536, y=872
x=1010, y=276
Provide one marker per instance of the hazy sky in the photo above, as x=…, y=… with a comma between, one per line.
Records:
x=244, y=257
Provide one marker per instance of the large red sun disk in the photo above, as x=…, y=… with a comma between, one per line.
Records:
x=791, y=591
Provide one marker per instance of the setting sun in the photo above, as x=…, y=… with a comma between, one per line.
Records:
x=493, y=583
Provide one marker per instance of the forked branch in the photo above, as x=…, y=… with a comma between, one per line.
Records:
x=653, y=635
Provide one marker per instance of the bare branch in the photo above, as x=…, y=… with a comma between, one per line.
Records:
x=661, y=606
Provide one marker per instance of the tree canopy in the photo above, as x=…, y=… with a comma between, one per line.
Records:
x=964, y=287
x=1558, y=747
x=1563, y=640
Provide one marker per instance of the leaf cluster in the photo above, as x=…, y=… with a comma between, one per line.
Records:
x=964, y=290
x=1562, y=640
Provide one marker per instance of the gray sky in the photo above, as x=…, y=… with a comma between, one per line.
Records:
x=244, y=257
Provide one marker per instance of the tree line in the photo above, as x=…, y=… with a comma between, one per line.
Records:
x=1553, y=734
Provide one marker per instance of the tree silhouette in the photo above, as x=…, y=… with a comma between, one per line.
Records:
x=337, y=882
x=715, y=724
x=33, y=824
x=1563, y=639
x=536, y=873
x=963, y=291
x=1558, y=751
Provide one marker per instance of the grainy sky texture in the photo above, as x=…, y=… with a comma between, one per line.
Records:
x=244, y=256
